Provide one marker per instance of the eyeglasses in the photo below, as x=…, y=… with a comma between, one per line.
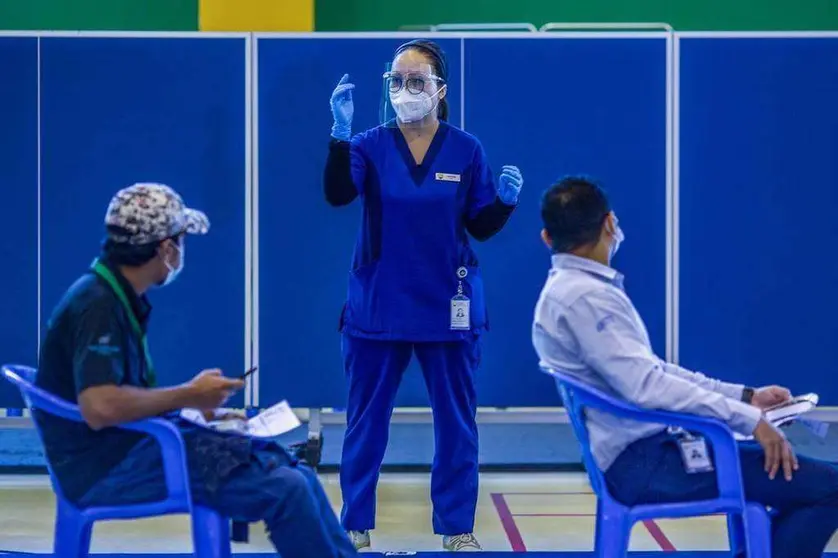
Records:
x=414, y=82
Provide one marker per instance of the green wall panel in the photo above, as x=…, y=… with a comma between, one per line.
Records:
x=99, y=15
x=687, y=15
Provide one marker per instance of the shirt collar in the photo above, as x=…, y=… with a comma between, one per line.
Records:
x=569, y=261
x=139, y=304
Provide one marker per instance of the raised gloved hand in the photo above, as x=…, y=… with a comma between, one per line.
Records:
x=342, y=109
x=509, y=185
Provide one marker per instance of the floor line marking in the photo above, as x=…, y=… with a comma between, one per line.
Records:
x=553, y=515
x=508, y=522
x=659, y=536
x=548, y=493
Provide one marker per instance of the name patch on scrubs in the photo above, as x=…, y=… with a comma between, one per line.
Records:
x=447, y=177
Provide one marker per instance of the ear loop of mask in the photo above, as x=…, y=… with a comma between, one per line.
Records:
x=172, y=271
x=617, y=234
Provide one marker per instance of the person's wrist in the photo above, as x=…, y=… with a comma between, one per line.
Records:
x=184, y=395
x=342, y=132
x=508, y=197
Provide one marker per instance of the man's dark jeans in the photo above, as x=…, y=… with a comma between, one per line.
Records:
x=651, y=471
x=242, y=479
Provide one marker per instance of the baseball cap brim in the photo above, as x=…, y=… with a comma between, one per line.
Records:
x=196, y=222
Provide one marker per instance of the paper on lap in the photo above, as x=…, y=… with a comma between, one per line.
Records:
x=271, y=422
x=791, y=411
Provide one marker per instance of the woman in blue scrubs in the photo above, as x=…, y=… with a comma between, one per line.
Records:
x=415, y=285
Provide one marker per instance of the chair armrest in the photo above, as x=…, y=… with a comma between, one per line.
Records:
x=173, y=451
x=163, y=431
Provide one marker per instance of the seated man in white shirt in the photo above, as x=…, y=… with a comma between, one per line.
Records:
x=586, y=325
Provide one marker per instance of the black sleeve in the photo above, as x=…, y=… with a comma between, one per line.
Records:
x=98, y=351
x=337, y=176
x=489, y=220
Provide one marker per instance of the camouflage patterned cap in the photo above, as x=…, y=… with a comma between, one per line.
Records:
x=146, y=213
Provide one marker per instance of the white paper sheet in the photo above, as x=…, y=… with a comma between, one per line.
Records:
x=271, y=422
x=788, y=412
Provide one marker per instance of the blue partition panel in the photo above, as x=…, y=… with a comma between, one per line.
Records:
x=613, y=126
x=121, y=110
x=759, y=194
x=305, y=246
x=19, y=184
x=557, y=106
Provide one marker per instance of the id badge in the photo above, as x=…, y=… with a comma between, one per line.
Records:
x=695, y=455
x=461, y=305
x=460, y=313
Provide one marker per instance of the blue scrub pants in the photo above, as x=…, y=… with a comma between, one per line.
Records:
x=374, y=370
x=651, y=471
x=289, y=498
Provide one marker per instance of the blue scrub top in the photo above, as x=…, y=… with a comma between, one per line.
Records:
x=413, y=236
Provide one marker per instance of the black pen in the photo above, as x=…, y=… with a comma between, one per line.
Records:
x=248, y=373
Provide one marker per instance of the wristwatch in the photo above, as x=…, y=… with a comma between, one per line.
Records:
x=748, y=395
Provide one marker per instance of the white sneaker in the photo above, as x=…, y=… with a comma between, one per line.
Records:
x=466, y=542
x=360, y=539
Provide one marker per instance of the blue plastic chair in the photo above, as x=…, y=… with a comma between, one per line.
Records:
x=73, y=525
x=749, y=526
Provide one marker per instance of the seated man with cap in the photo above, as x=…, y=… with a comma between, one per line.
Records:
x=95, y=354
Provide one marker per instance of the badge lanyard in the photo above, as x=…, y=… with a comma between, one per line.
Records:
x=102, y=271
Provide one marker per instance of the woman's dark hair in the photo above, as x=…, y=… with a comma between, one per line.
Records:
x=439, y=63
x=573, y=211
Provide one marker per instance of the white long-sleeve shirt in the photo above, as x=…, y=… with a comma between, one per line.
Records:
x=586, y=325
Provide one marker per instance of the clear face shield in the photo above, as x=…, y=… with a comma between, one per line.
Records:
x=410, y=94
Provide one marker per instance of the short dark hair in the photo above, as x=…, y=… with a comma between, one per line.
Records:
x=131, y=255
x=439, y=63
x=573, y=211
x=121, y=253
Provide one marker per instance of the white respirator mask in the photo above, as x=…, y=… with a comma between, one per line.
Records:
x=413, y=107
x=619, y=237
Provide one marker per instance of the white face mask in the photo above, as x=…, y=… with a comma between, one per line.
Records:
x=174, y=271
x=619, y=237
x=413, y=108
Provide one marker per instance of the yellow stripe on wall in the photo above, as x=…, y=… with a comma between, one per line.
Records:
x=256, y=15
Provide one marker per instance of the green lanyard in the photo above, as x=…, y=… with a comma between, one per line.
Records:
x=106, y=274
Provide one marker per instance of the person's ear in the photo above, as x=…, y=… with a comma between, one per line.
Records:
x=545, y=238
x=443, y=91
x=165, y=248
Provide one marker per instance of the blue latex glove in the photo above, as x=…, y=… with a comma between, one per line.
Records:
x=509, y=185
x=342, y=109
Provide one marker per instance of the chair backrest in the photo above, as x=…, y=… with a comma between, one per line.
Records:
x=23, y=377
x=578, y=396
x=576, y=415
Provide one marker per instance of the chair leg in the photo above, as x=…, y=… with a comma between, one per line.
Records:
x=736, y=535
x=759, y=531
x=72, y=533
x=613, y=532
x=756, y=542
x=210, y=534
